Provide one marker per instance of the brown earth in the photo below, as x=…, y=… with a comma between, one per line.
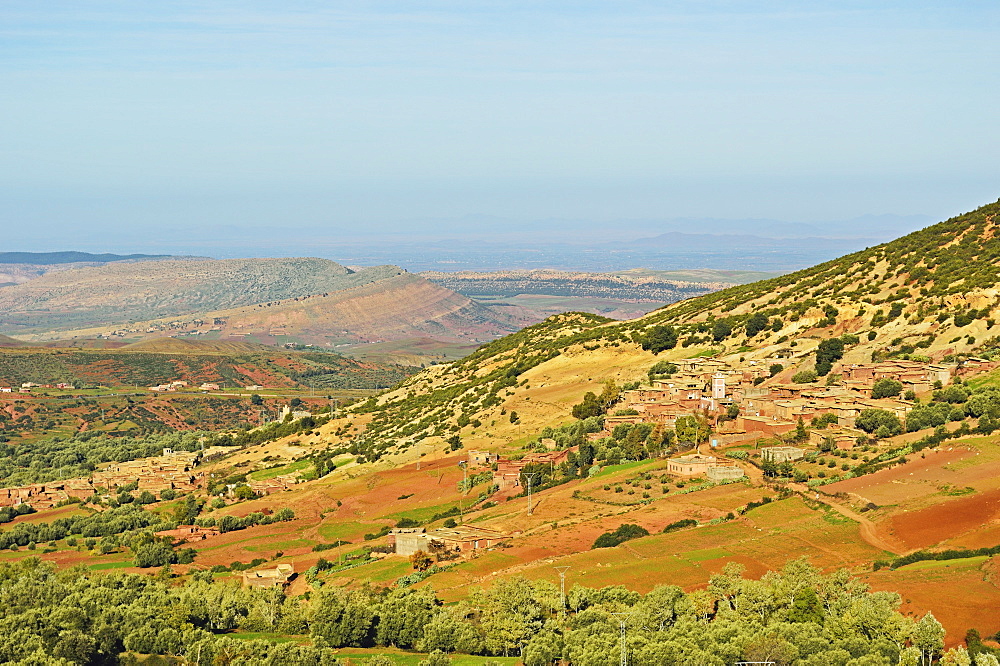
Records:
x=934, y=524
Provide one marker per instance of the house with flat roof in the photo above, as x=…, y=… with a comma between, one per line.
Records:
x=279, y=576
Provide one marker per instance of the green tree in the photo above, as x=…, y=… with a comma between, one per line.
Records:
x=806, y=607
x=801, y=434
x=694, y=429
x=155, y=554
x=879, y=421
x=589, y=408
x=886, y=387
x=928, y=637
x=828, y=352
x=756, y=323
x=721, y=329
x=403, y=614
x=659, y=338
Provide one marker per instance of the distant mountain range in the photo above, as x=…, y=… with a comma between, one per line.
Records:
x=50, y=258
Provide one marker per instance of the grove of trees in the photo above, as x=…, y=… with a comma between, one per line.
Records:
x=795, y=616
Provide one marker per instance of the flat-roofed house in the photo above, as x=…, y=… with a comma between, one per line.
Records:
x=279, y=576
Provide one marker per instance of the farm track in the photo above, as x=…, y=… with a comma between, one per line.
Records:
x=867, y=529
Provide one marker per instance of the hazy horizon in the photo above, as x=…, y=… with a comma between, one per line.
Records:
x=137, y=128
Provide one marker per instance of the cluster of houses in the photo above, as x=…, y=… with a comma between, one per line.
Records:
x=173, y=470
x=46, y=495
x=188, y=533
x=27, y=386
x=170, y=387
x=710, y=386
x=274, y=485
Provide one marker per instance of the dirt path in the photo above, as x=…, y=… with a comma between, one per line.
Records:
x=866, y=527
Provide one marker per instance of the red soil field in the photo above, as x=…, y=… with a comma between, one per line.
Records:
x=920, y=476
x=926, y=527
x=955, y=591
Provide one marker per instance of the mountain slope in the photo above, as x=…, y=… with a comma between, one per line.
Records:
x=932, y=294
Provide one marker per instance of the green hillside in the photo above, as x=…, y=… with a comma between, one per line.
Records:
x=929, y=294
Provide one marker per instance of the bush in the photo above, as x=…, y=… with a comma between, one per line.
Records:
x=805, y=376
x=625, y=532
x=679, y=525
x=662, y=369
x=659, y=338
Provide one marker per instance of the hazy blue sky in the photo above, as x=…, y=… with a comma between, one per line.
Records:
x=348, y=118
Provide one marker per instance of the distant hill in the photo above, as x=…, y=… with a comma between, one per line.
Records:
x=49, y=258
x=9, y=342
x=116, y=293
x=292, y=301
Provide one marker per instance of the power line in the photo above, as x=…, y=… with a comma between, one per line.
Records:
x=528, y=477
x=621, y=620
x=562, y=590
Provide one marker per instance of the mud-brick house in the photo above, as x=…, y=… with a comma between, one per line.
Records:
x=764, y=425
x=844, y=439
x=279, y=576
x=460, y=540
x=691, y=464
x=508, y=472
x=780, y=454
x=482, y=458
x=408, y=540
x=186, y=533
x=724, y=471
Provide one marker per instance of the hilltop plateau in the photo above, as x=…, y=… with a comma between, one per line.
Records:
x=19, y=267
x=102, y=295
x=618, y=295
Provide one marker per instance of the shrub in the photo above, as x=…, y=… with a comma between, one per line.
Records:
x=805, y=376
x=625, y=532
x=679, y=525
x=659, y=338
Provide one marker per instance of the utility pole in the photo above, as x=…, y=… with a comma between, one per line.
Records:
x=465, y=489
x=621, y=620
x=528, y=478
x=562, y=590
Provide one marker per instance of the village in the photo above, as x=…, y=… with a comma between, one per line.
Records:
x=173, y=470
x=742, y=408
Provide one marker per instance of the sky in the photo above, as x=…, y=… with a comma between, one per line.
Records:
x=141, y=126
